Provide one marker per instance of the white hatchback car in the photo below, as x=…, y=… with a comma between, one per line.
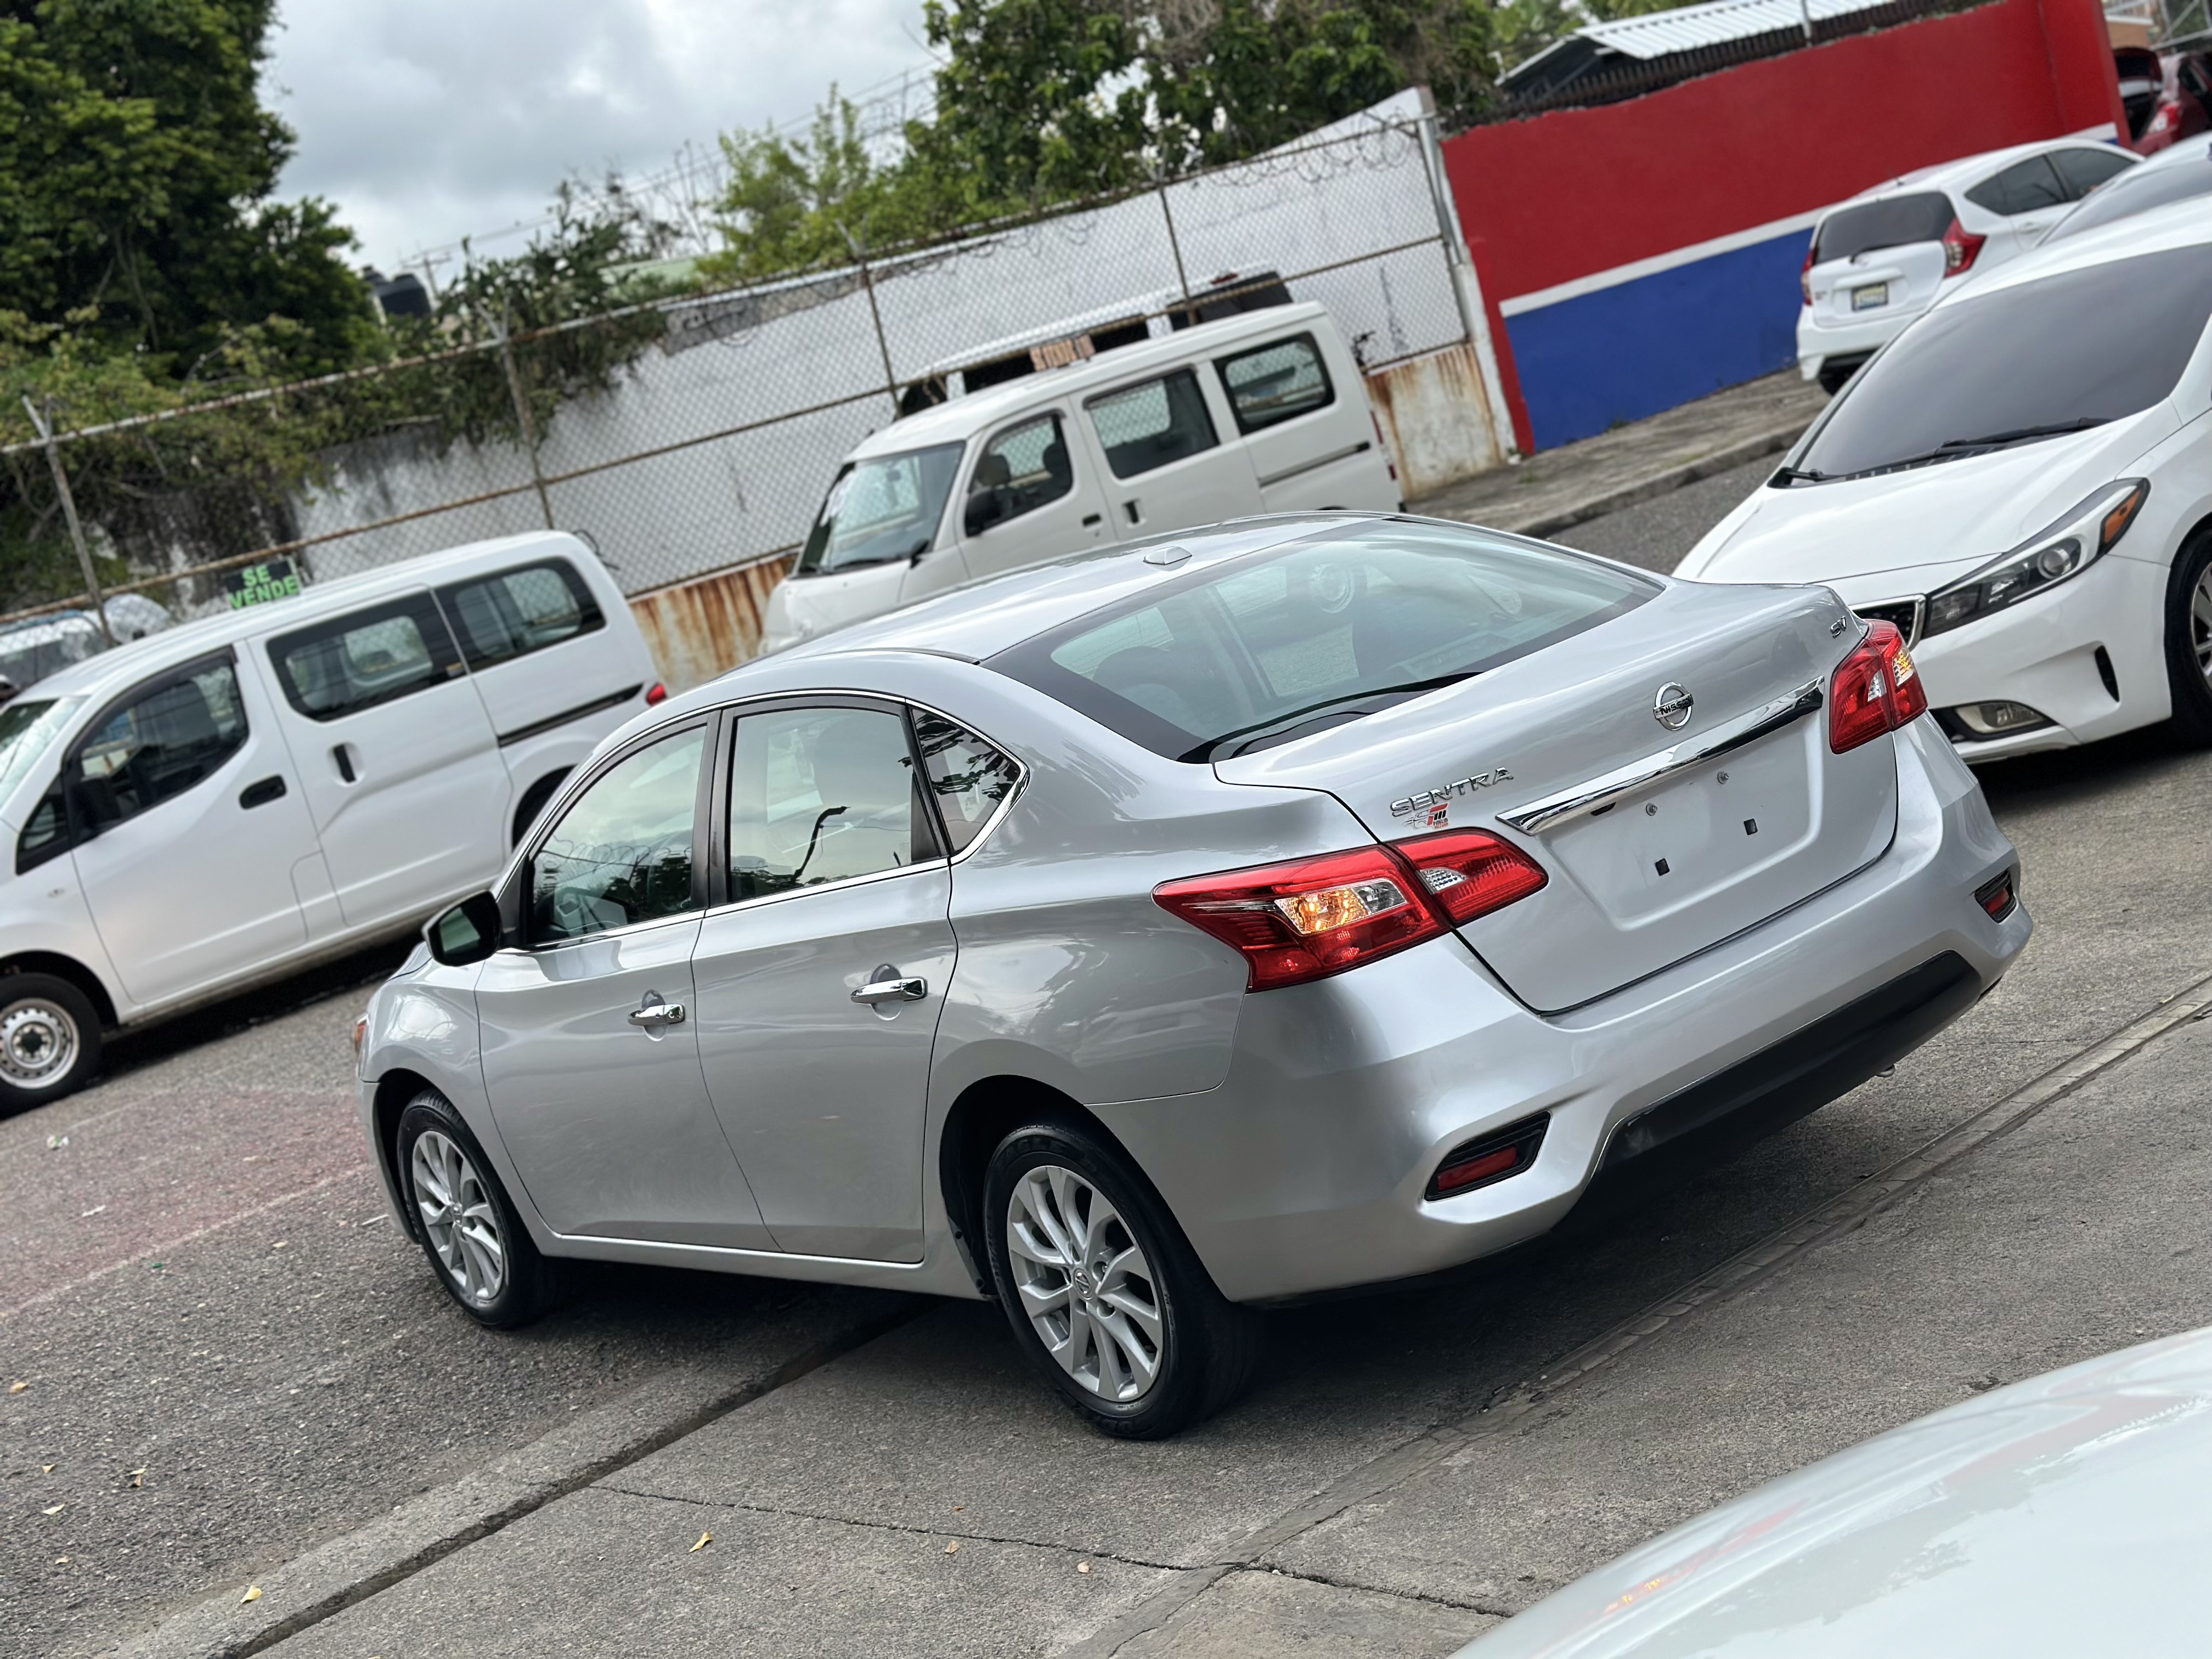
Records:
x=1879, y=260
x=2022, y=483
x=227, y=801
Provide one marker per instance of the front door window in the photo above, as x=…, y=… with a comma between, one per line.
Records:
x=622, y=853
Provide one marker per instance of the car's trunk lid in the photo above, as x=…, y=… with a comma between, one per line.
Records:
x=1657, y=872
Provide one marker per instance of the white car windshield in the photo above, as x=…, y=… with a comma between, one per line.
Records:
x=883, y=508
x=1333, y=626
x=27, y=729
x=2056, y=356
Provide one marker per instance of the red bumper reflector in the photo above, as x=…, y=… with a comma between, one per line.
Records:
x=1996, y=897
x=1494, y=1157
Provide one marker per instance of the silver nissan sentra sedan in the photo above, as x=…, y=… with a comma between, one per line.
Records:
x=1306, y=904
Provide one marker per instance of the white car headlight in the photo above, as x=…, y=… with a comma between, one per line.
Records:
x=2066, y=549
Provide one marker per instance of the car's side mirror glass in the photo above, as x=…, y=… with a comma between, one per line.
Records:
x=468, y=932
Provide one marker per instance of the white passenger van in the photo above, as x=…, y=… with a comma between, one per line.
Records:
x=228, y=800
x=1266, y=412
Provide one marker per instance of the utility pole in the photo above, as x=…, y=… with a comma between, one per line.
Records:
x=875, y=315
x=522, y=412
x=69, y=512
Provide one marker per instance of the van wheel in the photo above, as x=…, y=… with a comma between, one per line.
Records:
x=2189, y=641
x=49, y=1039
x=1106, y=1300
x=533, y=802
x=477, y=1246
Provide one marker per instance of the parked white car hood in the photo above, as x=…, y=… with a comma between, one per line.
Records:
x=1906, y=533
x=2064, y=1515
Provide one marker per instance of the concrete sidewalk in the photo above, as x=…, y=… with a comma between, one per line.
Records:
x=1557, y=488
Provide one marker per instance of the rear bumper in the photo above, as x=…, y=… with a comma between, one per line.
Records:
x=1306, y=1171
x=1817, y=342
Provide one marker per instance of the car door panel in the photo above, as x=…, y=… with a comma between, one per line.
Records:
x=189, y=884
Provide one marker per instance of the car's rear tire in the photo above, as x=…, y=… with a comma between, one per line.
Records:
x=1832, y=379
x=478, y=1247
x=49, y=1039
x=1106, y=1298
x=2188, y=641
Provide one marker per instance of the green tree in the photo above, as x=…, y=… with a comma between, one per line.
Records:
x=137, y=183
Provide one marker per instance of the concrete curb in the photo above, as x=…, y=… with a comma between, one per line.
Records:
x=1771, y=441
x=327, y=1580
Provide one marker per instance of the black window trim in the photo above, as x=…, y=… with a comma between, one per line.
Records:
x=336, y=625
x=514, y=892
x=1237, y=413
x=72, y=834
x=587, y=604
x=1192, y=369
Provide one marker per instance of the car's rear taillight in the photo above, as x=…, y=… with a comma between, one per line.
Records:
x=1470, y=872
x=1961, y=245
x=659, y=694
x=1805, y=271
x=1875, y=690
x=1309, y=918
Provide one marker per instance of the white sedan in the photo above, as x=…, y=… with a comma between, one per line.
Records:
x=2022, y=483
x=2061, y=1516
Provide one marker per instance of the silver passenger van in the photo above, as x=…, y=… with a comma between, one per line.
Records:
x=1265, y=412
x=226, y=801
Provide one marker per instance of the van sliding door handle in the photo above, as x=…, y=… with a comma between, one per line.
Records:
x=1130, y=507
x=339, y=753
x=261, y=793
x=1090, y=520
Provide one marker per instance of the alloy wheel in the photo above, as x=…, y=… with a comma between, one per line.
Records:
x=1084, y=1284
x=2200, y=622
x=39, y=1043
x=459, y=1217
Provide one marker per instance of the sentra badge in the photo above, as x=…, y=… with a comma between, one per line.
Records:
x=1441, y=794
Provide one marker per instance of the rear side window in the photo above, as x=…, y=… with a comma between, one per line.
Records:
x=354, y=662
x=1894, y=221
x=1148, y=426
x=1278, y=382
x=2020, y=188
x=160, y=744
x=518, y=612
x=820, y=795
x=1279, y=644
x=968, y=777
x=2083, y=170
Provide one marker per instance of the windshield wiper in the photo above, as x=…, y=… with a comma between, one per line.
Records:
x=1786, y=475
x=1958, y=449
x=1213, y=746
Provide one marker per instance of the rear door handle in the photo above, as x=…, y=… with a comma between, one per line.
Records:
x=889, y=985
x=344, y=756
x=261, y=793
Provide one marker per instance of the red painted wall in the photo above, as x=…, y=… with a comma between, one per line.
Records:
x=1574, y=192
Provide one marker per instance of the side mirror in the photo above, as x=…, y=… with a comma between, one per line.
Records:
x=984, y=510
x=468, y=932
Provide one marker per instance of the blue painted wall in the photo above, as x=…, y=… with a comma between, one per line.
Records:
x=1638, y=347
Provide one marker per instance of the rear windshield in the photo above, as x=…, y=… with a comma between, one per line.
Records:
x=1284, y=643
x=1891, y=222
x=2060, y=354
x=2138, y=191
x=881, y=510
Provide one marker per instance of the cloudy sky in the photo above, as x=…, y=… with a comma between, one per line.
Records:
x=429, y=120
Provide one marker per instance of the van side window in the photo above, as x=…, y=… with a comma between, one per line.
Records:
x=1278, y=381
x=160, y=744
x=518, y=612
x=1143, y=427
x=354, y=662
x=1019, y=470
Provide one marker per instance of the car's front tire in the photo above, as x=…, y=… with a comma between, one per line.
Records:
x=2189, y=641
x=1106, y=1298
x=49, y=1039
x=477, y=1243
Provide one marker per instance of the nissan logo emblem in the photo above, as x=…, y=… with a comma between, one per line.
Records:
x=1671, y=708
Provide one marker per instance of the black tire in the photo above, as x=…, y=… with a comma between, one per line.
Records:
x=527, y=1285
x=1831, y=380
x=2184, y=667
x=49, y=1039
x=1206, y=1346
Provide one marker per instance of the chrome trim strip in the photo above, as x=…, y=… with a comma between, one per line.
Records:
x=1601, y=792
x=1349, y=451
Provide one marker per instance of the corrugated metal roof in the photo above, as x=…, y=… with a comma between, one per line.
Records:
x=1717, y=22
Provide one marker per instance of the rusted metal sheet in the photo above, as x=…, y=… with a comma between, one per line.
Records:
x=1437, y=418
x=706, y=626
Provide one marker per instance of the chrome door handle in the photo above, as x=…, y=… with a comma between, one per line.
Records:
x=889, y=986
x=658, y=1013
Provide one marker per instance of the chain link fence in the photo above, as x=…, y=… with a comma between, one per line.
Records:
x=699, y=433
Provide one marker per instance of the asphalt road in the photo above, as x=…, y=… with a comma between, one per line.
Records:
x=229, y=1358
